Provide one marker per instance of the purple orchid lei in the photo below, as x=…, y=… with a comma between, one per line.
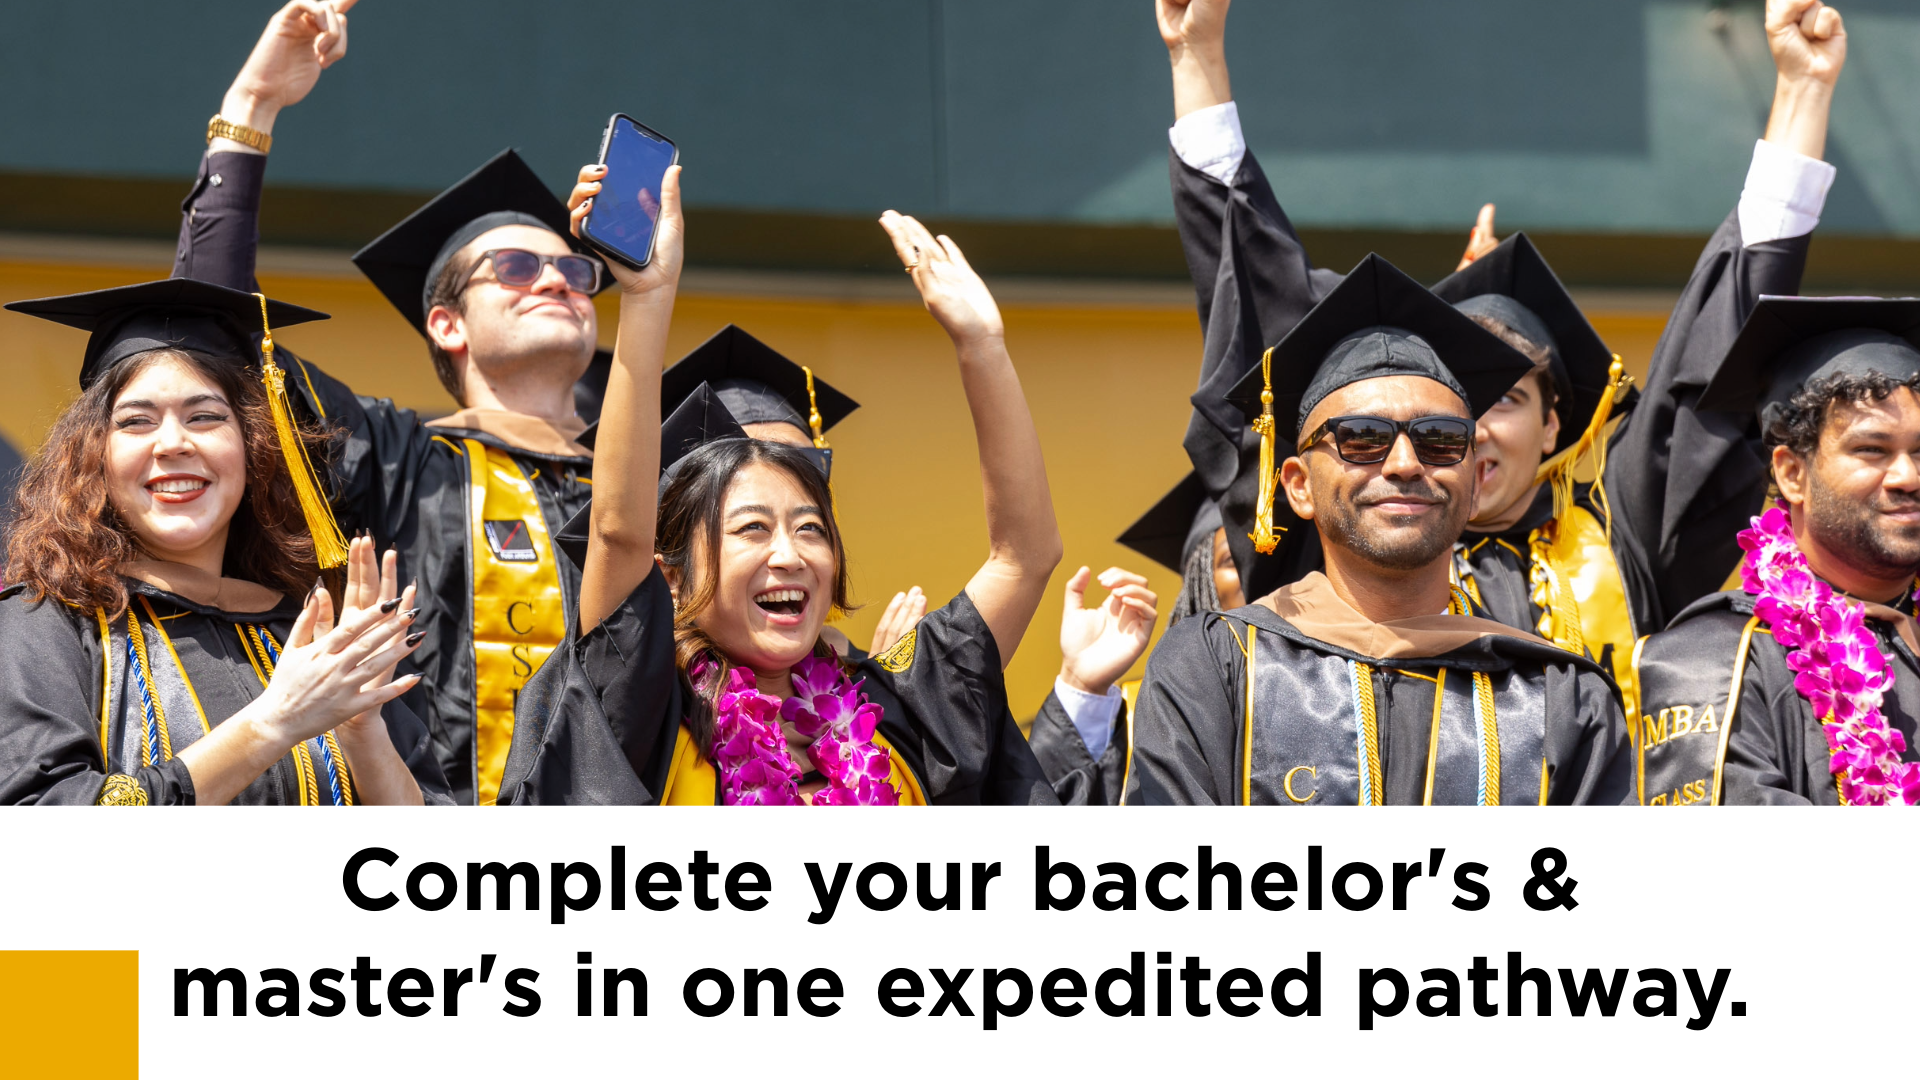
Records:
x=750, y=749
x=1837, y=664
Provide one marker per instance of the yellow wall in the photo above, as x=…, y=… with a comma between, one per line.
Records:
x=1108, y=388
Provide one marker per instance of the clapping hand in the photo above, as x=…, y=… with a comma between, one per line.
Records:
x=1098, y=644
x=954, y=294
x=332, y=671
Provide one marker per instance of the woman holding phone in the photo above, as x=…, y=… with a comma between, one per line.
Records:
x=151, y=651
x=698, y=674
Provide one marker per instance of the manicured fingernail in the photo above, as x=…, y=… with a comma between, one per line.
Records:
x=414, y=638
x=410, y=614
x=387, y=608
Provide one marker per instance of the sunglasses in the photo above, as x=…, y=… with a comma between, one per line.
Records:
x=520, y=269
x=1367, y=440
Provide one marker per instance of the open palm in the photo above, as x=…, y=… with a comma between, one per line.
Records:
x=1098, y=644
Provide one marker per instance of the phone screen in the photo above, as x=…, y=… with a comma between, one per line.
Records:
x=624, y=212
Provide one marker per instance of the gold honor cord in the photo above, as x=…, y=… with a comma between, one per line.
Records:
x=329, y=546
x=1365, y=711
x=1264, y=536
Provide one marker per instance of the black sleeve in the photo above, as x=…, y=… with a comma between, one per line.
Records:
x=1765, y=759
x=596, y=724
x=50, y=684
x=1678, y=524
x=220, y=221
x=1186, y=725
x=962, y=740
x=1592, y=765
x=1077, y=779
x=1254, y=283
x=377, y=456
x=411, y=742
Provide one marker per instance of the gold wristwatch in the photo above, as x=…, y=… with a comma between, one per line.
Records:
x=218, y=128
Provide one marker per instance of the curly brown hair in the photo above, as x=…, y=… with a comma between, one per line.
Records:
x=692, y=509
x=1797, y=424
x=67, y=541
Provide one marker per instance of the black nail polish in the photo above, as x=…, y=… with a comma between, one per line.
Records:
x=410, y=614
x=414, y=638
x=387, y=607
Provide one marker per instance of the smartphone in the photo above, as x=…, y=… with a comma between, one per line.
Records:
x=621, y=223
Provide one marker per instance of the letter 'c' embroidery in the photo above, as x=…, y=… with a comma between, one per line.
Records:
x=1286, y=783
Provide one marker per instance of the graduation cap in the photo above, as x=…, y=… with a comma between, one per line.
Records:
x=405, y=261
x=178, y=313
x=1788, y=341
x=1182, y=518
x=757, y=384
x=212, y=321
x=699, y=420
x=1514, y=286
x=1378, y=322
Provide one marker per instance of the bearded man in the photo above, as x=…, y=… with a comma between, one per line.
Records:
x=1803, y=686
x=1377, y=681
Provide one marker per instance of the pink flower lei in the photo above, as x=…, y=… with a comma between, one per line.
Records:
x=1837, y=664
x=750, y=749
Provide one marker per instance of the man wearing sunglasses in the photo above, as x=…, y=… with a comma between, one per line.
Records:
x=488, y=275
x=1378, y=681
x=1680, y=482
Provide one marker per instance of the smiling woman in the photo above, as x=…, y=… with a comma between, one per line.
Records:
x=699, y=674
x=149, y=651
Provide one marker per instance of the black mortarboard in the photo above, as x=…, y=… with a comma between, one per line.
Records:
x=1379, y=322
x=1514, y=286
x=407, y=259
x=1790, y=340
x=699, y=420
x=757, y=384
x=178, y=313
x=213, y=321
x=1182, y=518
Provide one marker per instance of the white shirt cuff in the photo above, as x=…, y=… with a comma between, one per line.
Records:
x=1784, y=195
x=1092, y=714
x=1210, y=141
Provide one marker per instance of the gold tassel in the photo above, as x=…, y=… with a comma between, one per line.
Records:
x=329, y=546
x=813, y=412
x=1560, y=467
x=1264, y=536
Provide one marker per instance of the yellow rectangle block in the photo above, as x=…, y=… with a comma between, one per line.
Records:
x=70, y=1013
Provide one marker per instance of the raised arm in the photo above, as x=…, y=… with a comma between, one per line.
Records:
x=626, y=466
x=220, y=219
x=1683, y=520
x=1195, y=32
x=1022, y=537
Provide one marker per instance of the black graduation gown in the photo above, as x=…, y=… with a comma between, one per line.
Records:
x=601, y=722
x=53, y=672
x=1697, y=746
x=1303, y=736
x=1673, y=528
x=414, y=487
x=1078, y=778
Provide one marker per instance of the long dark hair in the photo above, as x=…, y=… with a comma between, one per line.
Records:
x=68, y=542
x=691, y=511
